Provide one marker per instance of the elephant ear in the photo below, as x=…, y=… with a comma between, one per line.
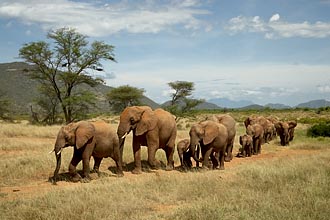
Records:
x=148, y=122
x=292, y=124
x=210, y=133
x=84, y=132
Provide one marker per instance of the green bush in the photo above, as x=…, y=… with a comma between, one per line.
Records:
x=321, y=129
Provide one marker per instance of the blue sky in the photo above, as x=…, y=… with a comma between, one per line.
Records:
x=266, y=51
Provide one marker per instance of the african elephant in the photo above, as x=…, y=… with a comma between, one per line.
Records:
x=154, y=129
x=266, y=124
x=286, y=131
x=247, y=145
x=256, y=131
x=292, y=125
x=185, y=153
x=212, y=138
x=97, y=139
x=230, y=123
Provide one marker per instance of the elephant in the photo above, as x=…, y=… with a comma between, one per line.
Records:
x=286, y=131
x=266, y=124
x=292, y=125
x=230, y=123
x=212, y=138
x=256, y=131
x=185, y=153
x=247, y=145
x=97, y=139
x=152, y=128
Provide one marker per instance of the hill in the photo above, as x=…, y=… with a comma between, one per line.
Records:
x=204, y=105
x=253, y=107
x=277, y=106
x=227, y=103
x=314, y=104
x=22, y=91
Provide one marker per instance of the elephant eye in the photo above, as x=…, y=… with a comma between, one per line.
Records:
x=132, y=120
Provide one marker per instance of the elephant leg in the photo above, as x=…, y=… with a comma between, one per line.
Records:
x=73, y=164
x=137, y=158
x=215, y=160
x=181, y=159
x=86, y=155
x=254, y=146
x=154, y=164
x=97, y=162
x=187, y=160
x=229, y=155
x=117, y=157
x=222, y=159
x=169, y=156
x=206, y=157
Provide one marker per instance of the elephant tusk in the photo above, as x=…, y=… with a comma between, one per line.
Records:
x=124, y=136
x=196, y=147
x=58, y=153
x=51, y=151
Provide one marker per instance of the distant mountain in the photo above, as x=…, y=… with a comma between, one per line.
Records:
x=277, y=106
x=22, y=91
x=253, y=107
x=204, y=105
x=314, y=104
x=227, y=103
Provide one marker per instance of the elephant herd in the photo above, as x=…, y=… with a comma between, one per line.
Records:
x=213, y=138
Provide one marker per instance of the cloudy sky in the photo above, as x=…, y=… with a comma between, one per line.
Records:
x=266, y=51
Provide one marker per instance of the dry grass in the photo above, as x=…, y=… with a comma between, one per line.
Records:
x=281, y=183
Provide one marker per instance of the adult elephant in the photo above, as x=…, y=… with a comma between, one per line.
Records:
x=256, y=131
x=286, y=131
x=230, y=124
x=97, y=139
x=292, y=125
x=212, y=138
x=154, y=129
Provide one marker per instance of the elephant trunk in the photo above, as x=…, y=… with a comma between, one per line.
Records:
x=58, y=156
x=121, y=145
x=195, y=152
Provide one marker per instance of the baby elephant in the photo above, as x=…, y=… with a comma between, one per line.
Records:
x=247, y=145
x=185, y=153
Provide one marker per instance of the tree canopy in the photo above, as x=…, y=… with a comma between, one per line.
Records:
x=181, y=103
x=123, y=96
x=65, y=63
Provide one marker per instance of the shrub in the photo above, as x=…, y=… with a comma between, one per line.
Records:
x=321, y=129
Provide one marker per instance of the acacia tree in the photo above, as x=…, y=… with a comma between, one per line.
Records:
x=181, y=103
x=123, y=96
x=63, y=65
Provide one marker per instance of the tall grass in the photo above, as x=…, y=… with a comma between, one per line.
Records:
x=295, y=186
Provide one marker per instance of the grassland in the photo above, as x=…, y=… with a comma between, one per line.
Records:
x=282, y=183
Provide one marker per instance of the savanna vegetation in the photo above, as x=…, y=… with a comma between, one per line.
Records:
x=289, y=182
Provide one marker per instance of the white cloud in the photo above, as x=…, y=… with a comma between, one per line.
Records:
x=94, y=19
x=276, y=28
x=275, y=17
x=324, y=88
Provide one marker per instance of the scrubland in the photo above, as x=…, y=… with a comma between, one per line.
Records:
x=290, y=182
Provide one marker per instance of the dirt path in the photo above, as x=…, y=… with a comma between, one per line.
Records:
x=35, y=188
